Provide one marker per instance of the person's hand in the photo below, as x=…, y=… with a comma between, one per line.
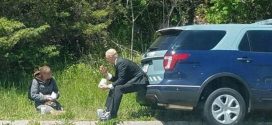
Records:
x=49, y=98
x=104, y=87
x=103, y=70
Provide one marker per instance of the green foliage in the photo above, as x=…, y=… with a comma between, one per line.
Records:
x=11, y=32
x=37, y=32
x=238, y=11
x=225, y=11
x=19, y=45
x=8, y=26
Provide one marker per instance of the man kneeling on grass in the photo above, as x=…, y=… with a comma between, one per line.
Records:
x=44, y=92
x=128, y=78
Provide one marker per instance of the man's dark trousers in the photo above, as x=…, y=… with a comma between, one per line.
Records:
x=115, y=96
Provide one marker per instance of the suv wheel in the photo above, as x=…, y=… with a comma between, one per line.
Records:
x=225, y=106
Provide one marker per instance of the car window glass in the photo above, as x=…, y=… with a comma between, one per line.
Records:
x=164, y=41
x=260, y=40
x=198, y=39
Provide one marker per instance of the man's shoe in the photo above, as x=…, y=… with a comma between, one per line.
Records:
x=106, y=116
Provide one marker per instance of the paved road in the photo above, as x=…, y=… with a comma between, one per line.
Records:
x=163, y=118
x=196, y=118
x=26, y=122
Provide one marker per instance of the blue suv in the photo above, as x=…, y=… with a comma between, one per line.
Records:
x=226, y=69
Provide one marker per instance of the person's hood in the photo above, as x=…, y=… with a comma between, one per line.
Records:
x=41, y=81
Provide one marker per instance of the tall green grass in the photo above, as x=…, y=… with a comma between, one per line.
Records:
x=79, y=96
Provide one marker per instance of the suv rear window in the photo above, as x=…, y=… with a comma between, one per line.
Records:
x=164, y=41
x=198, y=39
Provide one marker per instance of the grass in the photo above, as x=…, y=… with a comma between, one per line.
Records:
x=79, y=96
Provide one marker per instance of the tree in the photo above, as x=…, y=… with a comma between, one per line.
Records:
x=69, y=28
x=12, y=33
x=238, y=11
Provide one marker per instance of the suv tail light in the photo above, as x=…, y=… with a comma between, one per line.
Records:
x=170, y=60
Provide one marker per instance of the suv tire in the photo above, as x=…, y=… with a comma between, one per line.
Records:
x=224, y=106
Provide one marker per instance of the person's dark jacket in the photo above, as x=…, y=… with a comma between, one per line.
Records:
x=128, y=72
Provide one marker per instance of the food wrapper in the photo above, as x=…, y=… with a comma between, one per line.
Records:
x=102, y=82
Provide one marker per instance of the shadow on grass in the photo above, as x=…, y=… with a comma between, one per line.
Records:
x=143, y=112
x=166, y=115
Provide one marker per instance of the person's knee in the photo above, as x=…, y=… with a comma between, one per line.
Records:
x=118, y=89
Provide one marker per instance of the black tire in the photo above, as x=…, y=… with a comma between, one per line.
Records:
x=212, y=107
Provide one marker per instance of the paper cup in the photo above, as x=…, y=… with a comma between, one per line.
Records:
x=99, y=113
x=43, y=110
x=54, y=95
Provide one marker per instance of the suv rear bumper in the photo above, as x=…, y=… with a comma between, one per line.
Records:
x=173, y=96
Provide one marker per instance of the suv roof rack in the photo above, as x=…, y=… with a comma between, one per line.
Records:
x=264, y=22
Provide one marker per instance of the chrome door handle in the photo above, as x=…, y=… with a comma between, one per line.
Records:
x=244, y=59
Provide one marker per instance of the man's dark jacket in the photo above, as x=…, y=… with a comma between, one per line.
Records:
x=128, y=72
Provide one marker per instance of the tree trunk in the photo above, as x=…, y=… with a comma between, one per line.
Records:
x=191, y=13
x=132, y=31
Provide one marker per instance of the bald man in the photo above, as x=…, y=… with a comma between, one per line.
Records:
x=128, y=78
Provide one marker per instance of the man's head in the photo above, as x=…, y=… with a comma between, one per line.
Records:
x=111, y=55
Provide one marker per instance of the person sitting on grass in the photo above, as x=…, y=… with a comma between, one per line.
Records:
x=44, y=92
